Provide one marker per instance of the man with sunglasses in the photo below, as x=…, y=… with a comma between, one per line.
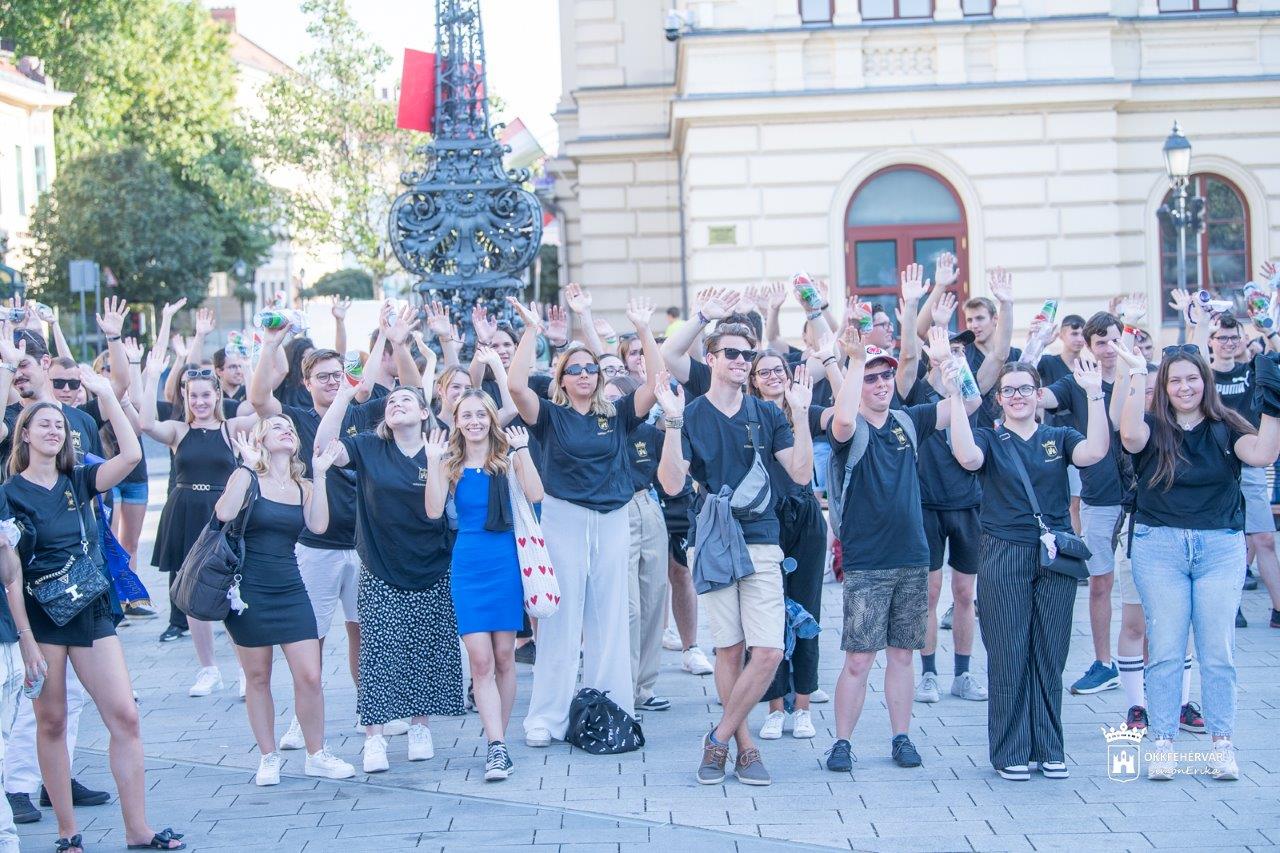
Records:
x=33, y=374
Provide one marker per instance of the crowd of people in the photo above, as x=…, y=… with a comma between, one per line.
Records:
x=714, y=466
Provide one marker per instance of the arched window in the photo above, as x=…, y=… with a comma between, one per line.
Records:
x=1217, y=257
x=901, y=215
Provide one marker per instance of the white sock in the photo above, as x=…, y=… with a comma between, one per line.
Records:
x=1131, y=679
x=1186, y=679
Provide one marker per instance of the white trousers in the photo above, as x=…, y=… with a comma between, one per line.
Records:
x=11, y=670
x=21, y=768
x=589, y=551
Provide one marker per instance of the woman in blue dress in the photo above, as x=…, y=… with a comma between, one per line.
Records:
x=469, y=465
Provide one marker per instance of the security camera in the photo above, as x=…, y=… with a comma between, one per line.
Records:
x=674, y=24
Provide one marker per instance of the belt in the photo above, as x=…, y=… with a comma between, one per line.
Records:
x=200, y=487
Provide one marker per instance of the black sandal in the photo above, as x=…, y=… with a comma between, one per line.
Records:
x=62, y=845
x=160, y=841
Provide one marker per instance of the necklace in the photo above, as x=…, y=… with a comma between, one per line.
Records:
x=1188, y=427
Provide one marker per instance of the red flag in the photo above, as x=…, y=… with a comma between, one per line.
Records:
x=417, y=109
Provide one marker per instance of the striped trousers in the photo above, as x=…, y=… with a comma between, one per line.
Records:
x=1026, y=628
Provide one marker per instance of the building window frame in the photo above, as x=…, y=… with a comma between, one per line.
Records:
x=40, y=158
x=22, y=181
x=1199, y=251
x=897, y=12
x=991, y=10
x=830, y=14
x=1195, y=8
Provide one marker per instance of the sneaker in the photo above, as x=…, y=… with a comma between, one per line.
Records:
x=1162, y=761
x=1275, y=618
x=498, y=765
x=1015, y=773
x=1097, y=679
x=772, y=728
x=1250, y=580
x=528, y=653
x=904, y=752
x=819, y=697
x=324, y=763
x=1190, y=719
x=80, y=796
x=172, y=633
x=23, y=810
x=1241, y=622
x=268, y=770
x=241, y=684
x=802, y=724
x=395, y=728
x=137, y=611
x=654, y=703
x=470, y=703
x=945, y=622
x=1222, y=762
x=1054, y=769
x=208, y=679
x=537, y=738
x=927, y=689
x=967, y=687
x=671, y=640
x=1137, y=717
x=375, y=754
x=749, y=768
x=293, y=739
x=840, y=757
x=714, y=757
x=696, y=663
x=420, y=746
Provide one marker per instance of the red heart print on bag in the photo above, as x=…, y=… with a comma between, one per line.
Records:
x=533, y=599
x=528, y=570
x=551, y=571
x=520, y=539
x=557, y=598
x=542, y=569
x=542, y=542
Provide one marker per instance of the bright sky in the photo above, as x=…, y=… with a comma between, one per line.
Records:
x=522, y=45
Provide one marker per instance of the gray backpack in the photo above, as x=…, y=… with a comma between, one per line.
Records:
x=839, y=476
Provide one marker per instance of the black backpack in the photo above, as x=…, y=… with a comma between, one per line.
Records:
x=598, y=726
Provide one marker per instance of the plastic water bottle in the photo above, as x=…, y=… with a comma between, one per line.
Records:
x=272, y=319
x=237, y=344
x=864, y=322
x=964, y=377
x=1048, y=311
x=1206, y=300
x=352, y=366
x=44, y=312
x=808, y=293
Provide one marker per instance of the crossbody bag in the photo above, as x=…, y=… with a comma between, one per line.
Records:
x=75, y=586
x=1070, y=553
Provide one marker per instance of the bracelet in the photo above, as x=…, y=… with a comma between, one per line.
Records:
x=21, y=630
x=1270, y=334
x=702, y=319
x=1097, y=398
x=1131, y=330
x=674, y=422
x=813, y=315
x=828, y=360
x=12, y=369
x=112, y=338
x=558, y=344
x=1137, y=371
x=131, y=361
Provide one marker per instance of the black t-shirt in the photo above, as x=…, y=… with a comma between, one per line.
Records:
x=883, y=527
x=644, y=449
x=539, y=383
x=395, y=538
x=94, y=410
x=944, y=482
x=8, y=630
x=1237, y=390
x=1052, y=368
x=1100, y=483
x=583, y=458
x=1006, y=511
x=49, y=521
x=1205, y=494
x=779, y=477
x=720, y=451
x=84, y=433
x=976, y=357
x=699, y=381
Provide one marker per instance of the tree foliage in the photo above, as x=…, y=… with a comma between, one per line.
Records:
x=350, y=282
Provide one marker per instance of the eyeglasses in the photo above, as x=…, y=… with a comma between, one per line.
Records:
x=766, y=372
x=883, y=324
x=325, y=378
x=1010, y=391
x=199, y=373
x=1180, y=349
x=882, y=376
x=1227, y=339
x=615, y=370
x=733, y=353
x=579, y=369
x=63, y=384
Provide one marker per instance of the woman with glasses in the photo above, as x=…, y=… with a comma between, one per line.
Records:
x=582, y=448
x=631, y=349
x=1026, y=608
x=803, y=538
x=1188, y=540
x=203, y=459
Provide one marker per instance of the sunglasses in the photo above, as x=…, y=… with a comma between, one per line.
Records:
x=63, y=384
x=733, y=353
x=882, y=376
x=579, y=369
x=199, y=373
x=766, y=372
x=1180, y=349
x=1010, y=391
x=325, y=378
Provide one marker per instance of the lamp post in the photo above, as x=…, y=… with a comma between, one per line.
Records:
x=1186, y=214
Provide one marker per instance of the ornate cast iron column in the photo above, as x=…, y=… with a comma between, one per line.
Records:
x=466, y=226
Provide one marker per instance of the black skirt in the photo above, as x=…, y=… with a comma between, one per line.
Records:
x=92, y=623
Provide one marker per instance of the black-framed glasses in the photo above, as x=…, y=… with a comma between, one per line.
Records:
x=331, y=376
x=882, y=376
x=579, y=369
x=1227, y=339
x=1010, y=391
x=64, y=384
x=733, y=353
x=883, y=324
x=199, y=373
x=779, y=371
x=1180, y=349
x=612, y=370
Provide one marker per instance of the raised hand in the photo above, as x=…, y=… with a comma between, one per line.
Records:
x=799, y=392
x=944, y=308
x=605, y=330
x=1133, y=308
x=578, y=300
x=250, y=454
x=437, y=445
x=721, y=303
x=205, y=322
x=111, y=320
x=529, y=317
x=157, y=361
x=557, y=325
x=180, y=348
x=945, y=270
x=938, y=346
x=640, y=313
x=487, y=356
x=1087, y=375
x=438, y=321
x=1179, y=300
x=9, y=353
x=275, y=337
x=517, y=437
x=171, y=308
x=950, y=378
x=323, y=459
x=1043, y=331
x=850, y=343
x=1132, y=359
x=405, y=321
x=1000, y=281
x=132, y=351
x=914, y=284
x=485, y=326
x=750, y=299
x=672, y=402
x=775, y=294
x=339, y=307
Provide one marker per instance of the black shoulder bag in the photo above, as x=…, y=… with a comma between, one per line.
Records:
x=213, y=564
x=76, y=585
x=1072, y=552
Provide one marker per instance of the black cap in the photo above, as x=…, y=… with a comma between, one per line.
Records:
x=963, y=338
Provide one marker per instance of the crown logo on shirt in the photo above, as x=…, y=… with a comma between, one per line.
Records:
x=1051, y=448
x=603, y=423
x=642, y=450
x=71, y=499
x=422, y=475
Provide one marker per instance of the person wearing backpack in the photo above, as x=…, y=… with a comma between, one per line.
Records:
x=1026, y=604
x=884, y=550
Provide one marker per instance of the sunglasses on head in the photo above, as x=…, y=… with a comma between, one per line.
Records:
x=199, y=373
x=579, y=369
x=1180, y=349
x=732, y=353
x=1009, y=391
x=882, y=376
x=62, y=384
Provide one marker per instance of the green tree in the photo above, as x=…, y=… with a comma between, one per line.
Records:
x=125, y=211
x=353, y=283
x=327, y=125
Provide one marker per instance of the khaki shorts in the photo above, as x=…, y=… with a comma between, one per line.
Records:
x=1124, y=579
x=751, y=610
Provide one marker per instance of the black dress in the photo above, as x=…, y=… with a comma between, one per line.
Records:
x=201, y=466
x=279, y=609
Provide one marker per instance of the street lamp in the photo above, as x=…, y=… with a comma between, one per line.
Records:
x=1186, y=213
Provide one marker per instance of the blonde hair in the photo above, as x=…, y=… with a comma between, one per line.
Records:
x=296, y=468
x=384, y=432
x=496, y=462
x=599, y=405
x=187, y=416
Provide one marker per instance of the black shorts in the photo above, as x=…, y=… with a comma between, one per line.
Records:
x=677, y=547
x=962, y=530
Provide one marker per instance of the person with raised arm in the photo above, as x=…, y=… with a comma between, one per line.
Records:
x=582, y=457
x=694, y=375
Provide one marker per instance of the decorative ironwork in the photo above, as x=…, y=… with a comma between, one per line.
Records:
x=466, y=226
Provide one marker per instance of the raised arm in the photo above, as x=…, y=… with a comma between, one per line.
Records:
x=233, y=494
x=111, y=324
x=579, y=302
x=775, y=294
x=673, y=468
x=129, y=451
x=444, y=330
x=436, y=493
x=939, y=297
x=914, y=286
x=1134, y=432
x=267, y=376
x=10, y=358
x=339, y=311
x=331, y=423
x=172, y=384
x=526, y=401
x=397, y=333
x=798, y=459
x=640, y=313
x=965, y=450
x=849, y=399
x=526, y=472
x=712, y=304
x=1097, y=440
x=317, y=508
x=165, y=432
x=486, y=357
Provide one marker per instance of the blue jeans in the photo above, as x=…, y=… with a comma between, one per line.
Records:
x=1189, y=579
x=821, y=457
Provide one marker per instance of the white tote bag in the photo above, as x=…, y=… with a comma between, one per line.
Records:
x=541, y=589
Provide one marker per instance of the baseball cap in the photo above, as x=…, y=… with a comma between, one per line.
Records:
x=963, y=338
x=874, y=353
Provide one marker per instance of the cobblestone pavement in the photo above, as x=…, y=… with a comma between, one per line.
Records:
x=202, y=757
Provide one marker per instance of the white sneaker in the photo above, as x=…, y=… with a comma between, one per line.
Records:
x=819, y=697
x=1162, y=763
x=537, y=738
x=772, y=728
x=325, y=763
x=967, y=687
x=1222, y=762
x=420, y=746
x=395, y=727
x=268, y=770
x=696, y=663
x=671, y=640
x=927, y=689
x=375, y=754
x=208, y=679
x=802, y=724
x=240, y=686
x=293, y=739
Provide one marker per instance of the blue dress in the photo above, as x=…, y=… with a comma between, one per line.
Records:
x=487, y=593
